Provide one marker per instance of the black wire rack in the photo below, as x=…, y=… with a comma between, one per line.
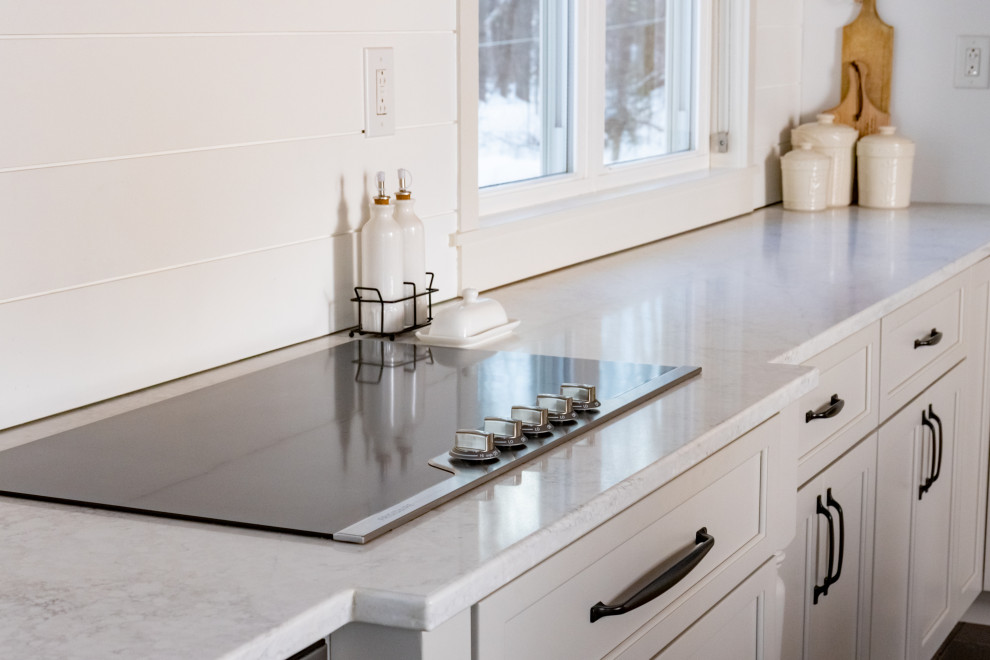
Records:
x=373, y=296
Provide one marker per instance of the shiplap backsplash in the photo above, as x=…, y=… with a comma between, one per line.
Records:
x=776, y=104
x=181, y=180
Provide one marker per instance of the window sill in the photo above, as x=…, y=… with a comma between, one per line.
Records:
x=515, y=245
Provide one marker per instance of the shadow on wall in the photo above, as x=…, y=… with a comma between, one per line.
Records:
x=341, y=312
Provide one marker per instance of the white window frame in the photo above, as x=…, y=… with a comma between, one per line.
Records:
x=506, y=228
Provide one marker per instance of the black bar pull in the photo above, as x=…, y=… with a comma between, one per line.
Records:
x=823, y=590
x=923, y=488
x=830, y=409
x=941, y=442
x=829, y=501
x=704, y=542
x=933, y=338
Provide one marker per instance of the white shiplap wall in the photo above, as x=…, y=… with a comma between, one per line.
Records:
x=777, y=90
x=181, y=180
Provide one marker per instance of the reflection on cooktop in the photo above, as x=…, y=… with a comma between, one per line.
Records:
x=308, y=446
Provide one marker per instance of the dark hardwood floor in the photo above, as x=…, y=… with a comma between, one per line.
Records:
x=967, y=641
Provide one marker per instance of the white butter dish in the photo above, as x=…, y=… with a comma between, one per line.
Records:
x=470, y=341
x=473, y=321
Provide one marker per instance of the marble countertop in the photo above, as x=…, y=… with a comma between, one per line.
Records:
x=747, y=300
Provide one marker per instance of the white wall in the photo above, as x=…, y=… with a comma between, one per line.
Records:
x=948, y=125
x=777, y=90
x=181, y=180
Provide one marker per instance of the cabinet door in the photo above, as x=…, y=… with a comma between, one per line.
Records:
x=969, y=488
x=833, y=620
x=971, y=573
x=915, y=457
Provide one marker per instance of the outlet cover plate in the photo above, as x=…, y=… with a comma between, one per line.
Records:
x=379, y=92
x=965, y=60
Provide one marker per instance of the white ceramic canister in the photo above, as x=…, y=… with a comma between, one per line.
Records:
x=805, y=174
x=381, y=267
x=885, y=164
x=837, y=141
x=414, y=251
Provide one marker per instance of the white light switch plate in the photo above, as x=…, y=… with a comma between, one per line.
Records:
x=379, y=95
x=972, y=68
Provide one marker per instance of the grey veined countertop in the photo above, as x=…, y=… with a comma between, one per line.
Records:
x=746, y=300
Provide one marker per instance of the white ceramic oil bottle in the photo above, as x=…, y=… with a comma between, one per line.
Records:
x=381, y=266
x=414, y=251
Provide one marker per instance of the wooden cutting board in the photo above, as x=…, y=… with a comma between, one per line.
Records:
x=871, y=41
x=856, y=109
x=847, y=112
x=870, y=118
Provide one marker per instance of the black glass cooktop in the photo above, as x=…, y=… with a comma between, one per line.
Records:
x=335, y=444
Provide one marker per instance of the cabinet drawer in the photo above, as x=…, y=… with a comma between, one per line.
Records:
x=546, y=613
x=741, y=627
x=845, y=401
x=919, y=342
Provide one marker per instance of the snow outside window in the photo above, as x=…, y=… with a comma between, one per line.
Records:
x=641, y=80
x=523, y=109
x=649, y=104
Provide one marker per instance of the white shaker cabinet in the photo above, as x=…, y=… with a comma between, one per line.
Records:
x=981, y=356
x=828, y=567
x=731, y=513
x=913, y=599
x=912, y=563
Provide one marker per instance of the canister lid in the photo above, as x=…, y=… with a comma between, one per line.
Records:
x=885, y=144
x=804, y=158
x=825, y=133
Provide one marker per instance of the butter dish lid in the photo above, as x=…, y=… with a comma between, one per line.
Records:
x=472, y=320
x=885, y=144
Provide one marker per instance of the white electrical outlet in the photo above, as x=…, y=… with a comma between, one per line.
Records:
x=972, y=65
x=379, y=104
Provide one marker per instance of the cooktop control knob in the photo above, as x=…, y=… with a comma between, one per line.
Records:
x=559, y=408
x=507, y=432
x=474, y=446
x=535, y=421
x=583, y=396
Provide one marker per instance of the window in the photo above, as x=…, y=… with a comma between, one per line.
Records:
x=649, y=103
x=523, y=72
x=585, y=90
x=584, y=128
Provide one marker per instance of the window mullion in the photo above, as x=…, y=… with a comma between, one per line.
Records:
x=554, y=65
x=679, y=76
x=593, y=130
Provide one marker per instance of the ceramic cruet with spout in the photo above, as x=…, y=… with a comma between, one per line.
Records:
x=381, y=266
x=414, y=251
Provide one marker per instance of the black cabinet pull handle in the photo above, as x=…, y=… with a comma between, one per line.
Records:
x=829, y=501
x=823, y=590
x=941, y=441
x=704, y=542
x=933, y=338
x=923, y=488
x=830, y=409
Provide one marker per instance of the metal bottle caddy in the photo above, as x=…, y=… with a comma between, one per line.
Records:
x=373, y=296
